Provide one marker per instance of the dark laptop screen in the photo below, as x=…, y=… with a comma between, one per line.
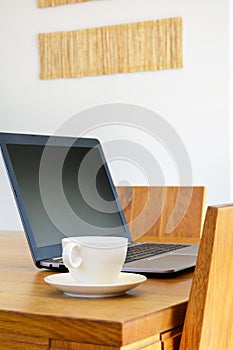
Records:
x=63, y=191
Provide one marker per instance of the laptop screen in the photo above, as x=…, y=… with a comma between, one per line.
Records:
x=63, y=188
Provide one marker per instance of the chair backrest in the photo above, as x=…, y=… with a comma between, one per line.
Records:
x=163, y=212
x=208, y=321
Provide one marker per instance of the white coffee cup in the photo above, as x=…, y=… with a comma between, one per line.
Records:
x=94, y=259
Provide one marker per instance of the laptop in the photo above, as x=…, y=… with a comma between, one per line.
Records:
x=63, y=187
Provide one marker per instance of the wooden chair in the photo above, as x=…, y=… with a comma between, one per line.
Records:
x=208, y=321
x=163, y=212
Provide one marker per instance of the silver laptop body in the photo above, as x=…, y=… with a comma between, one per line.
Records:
x=55, y=201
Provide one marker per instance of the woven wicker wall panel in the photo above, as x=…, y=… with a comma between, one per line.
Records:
x=51, y=3
x=134, y=47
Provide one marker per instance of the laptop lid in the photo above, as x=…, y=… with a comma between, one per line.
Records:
x=62, y=186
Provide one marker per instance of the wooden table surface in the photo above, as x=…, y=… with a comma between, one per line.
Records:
x=33, y=312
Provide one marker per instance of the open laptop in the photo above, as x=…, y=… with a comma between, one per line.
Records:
x=63, y=187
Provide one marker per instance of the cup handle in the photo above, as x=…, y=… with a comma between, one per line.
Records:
x=70, y=256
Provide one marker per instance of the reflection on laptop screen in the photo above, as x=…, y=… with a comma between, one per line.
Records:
x=65, y=192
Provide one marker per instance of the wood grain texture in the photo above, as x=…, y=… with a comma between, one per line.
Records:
x=17, y=342
x=208, y=322
x=171, y=339
x=52, y=3
x=132, y=47
x=33, y=314
x=163, y=212
x=151, y=343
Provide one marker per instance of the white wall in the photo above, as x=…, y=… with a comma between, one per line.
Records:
x=194, y=100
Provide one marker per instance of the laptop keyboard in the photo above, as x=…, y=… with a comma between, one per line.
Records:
x=137, y=251
x=145, y=250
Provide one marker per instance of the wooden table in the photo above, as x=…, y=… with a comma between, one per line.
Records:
x=36, y=316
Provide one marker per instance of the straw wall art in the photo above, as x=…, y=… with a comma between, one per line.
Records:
x=132, y=47
x=51, y=3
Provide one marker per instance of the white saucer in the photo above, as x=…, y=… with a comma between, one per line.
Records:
x=125, y=282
